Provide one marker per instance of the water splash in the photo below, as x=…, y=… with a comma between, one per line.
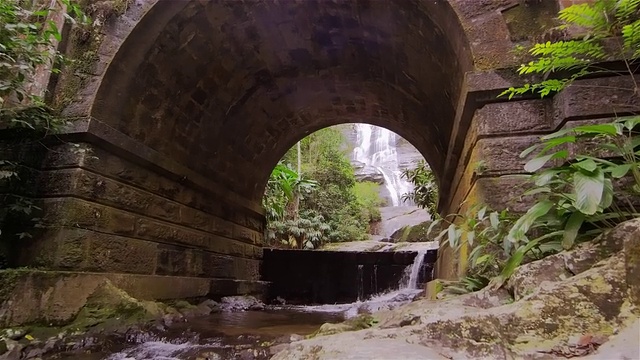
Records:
x=406, y=292
x=376, y=148
x=360, y=282
x=412, y=273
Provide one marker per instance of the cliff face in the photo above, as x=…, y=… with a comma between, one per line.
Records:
x=406, y=154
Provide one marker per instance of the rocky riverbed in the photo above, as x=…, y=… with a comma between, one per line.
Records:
x=578, y=303
x=582, y=303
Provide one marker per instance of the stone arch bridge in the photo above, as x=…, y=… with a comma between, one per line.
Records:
x=182, y=108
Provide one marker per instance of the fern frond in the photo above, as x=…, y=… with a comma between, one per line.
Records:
x=583, y=15
x=627, y=9
x=631, y=37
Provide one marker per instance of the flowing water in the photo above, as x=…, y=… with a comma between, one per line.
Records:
x=407, y=290
x=246, y=334
x=376, y=147
x=224, y=335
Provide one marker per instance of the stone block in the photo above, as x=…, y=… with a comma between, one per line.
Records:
x=632, y=263
x=509, y=118
x=35, y=296
x=432, y=289
x=502, y=155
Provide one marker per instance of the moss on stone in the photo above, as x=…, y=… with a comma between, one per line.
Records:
x=10, y=278
x=415, y=233
x=360, y=322
x=85, y=41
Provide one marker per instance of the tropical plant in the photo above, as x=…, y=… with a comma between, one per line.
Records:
x=610, y=30
x=425, y=191
x=285, y=189
x=581, y=191
x=308, y=231
x=27, y=39
x=329, y=190
x=368, y=195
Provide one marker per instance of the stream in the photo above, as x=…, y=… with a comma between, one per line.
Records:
x=245, y=334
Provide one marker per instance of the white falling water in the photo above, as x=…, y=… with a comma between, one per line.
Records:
x=376, y=148
x=407, y=290
x=412, y=273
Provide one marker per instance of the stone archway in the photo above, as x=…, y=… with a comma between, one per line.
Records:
x=191, y=103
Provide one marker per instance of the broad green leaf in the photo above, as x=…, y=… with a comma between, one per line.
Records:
x=528, y=150
x=481, y=213
x=545, y=176
x=551, y=143
x=482, y=259
x=471, y=237
x=451, y=234
x=557, y=134
x=538, y=162
x=598, y=160
x=599, y=129
x=587, y=164
x=619, y=171
x=588, y=189
x=537, y=190
x=523, y=224
x=433, y=225
x=493, y=218
x=631, y=123
x=571, y=229
x=512, y=263
x=607, y=195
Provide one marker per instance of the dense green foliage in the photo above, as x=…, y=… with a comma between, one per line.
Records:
x=611, y=31
x=425, y=192
x=584, y=179
x=327, y=205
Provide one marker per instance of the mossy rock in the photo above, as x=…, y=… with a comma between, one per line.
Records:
x=360, y=322
x=111, y=305
x=415, y=233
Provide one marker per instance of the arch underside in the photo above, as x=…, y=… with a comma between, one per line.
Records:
x=227, y=87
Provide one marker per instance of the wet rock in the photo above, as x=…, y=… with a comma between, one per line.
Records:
x=14, y=334
x=210, y=355
x=191, y=311
x=569, y=263
x=527, y=277
x=631, y=244
x=487, y=298
x=278, y=348
x=241, y=303
x=13, y=350
x=211, y=304
x=364, y=172
x=557, y=317
x=359, y=322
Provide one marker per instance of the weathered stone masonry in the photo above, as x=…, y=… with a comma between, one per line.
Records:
x=190, y=104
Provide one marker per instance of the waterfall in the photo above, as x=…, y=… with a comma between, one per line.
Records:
x=412, y=272
x=376, y=148
x=360, y=282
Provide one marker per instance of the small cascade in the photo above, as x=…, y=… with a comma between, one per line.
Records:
x=407, y=290
x=412, y=273
x=360, y=282
x=374, y=281
x=376, y=147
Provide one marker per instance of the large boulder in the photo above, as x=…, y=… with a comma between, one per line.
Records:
x=567, y=305
x=364, y=172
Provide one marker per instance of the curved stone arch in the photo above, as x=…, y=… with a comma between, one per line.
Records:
x=187, y=110
x=109, y=91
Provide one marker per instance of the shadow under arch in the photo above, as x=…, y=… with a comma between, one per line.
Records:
x=216, y=85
